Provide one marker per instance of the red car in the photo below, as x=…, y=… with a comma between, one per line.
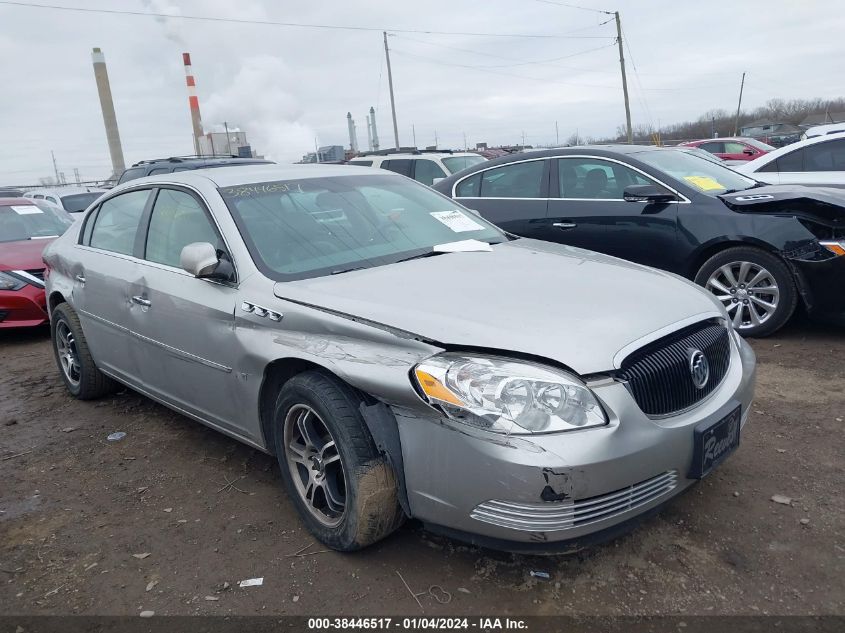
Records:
x=26, y=227
x=732, y=148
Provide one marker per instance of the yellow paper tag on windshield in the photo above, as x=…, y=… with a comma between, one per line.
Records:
x=705, y=183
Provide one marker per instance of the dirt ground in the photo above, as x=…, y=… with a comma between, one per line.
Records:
x=89, y=526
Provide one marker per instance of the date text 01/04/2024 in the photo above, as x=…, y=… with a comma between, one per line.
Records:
x=417, y=624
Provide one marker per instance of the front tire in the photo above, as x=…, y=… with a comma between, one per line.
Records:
x=344, y=490
x=73, y=358
x=756, y=288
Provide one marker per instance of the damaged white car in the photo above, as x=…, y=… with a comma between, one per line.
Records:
x=401, y=356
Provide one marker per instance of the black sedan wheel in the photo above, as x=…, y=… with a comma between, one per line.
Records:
x=755, y=287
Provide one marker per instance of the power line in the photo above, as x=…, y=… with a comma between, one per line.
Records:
x=520, y=62
x=303, y=25
x=573, y=6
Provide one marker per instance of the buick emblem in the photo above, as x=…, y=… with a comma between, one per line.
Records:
x=699, y=368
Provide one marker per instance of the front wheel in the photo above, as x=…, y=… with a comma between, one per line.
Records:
x=755, y=287
x=344, y=490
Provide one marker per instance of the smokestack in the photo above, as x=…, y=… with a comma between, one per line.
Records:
x=101, y=75
x=369, y=134
x=373, y=123
x=193, y=101
x=353, y=137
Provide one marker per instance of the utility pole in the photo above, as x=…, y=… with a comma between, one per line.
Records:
x=739, y=105
x=76, y=174
x=624, y=78
x=557, y=135
x=435, y=140
x=414, y=134
x=390, y=85
x=465, y=141
x=55, y=169
x=228, y=142
x=523, y=139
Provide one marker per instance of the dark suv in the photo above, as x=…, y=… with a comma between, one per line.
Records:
x=184, y=163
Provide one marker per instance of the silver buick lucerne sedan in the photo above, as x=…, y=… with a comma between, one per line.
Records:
x=401, y=356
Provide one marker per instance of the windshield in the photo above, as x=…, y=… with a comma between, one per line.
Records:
x=760, y=145
x=699, y=173
x=79, y=201
x=297, y=229
x=456, y=163
x=30, y=222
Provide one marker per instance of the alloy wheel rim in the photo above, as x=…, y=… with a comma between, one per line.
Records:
x=315, y=465
x=748, y=291
x=67, y=353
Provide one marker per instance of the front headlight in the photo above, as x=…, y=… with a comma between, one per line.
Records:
x=507, y=396
x=9, y=281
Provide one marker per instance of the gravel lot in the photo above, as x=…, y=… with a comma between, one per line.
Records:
x=89, y=526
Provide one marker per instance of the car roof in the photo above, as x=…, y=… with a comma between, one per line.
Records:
x=65, y=191
x=251, y=173
x=421, y=154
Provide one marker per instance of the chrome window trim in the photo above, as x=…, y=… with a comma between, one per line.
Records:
x=481, y=171
x=151, y=187
x=683, y=200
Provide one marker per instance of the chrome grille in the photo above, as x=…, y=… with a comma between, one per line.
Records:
x=658, y=375
x=568, y=514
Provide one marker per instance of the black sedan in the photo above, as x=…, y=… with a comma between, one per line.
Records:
x=760, y=249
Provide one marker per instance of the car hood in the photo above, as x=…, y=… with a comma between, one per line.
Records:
x=573, y=306
x=822, y=204
x=22, y=255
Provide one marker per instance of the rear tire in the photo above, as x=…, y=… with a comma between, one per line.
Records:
x=756, y=288
x=344, y=490
x=73, y=358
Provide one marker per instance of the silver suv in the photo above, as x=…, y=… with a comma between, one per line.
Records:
x=401, y=356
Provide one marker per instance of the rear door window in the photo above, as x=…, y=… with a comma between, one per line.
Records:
x=116, y=225
x=518, y=180
x=714, y=147
x=425, y=171
x=400, y=166
x=159, y=170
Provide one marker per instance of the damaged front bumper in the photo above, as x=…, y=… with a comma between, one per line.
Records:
x=546, y=492
x=823, y=286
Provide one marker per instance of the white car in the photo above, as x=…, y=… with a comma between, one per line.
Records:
x=822, y=130
x=425, y=167
x=815, y=161
x=72, y=199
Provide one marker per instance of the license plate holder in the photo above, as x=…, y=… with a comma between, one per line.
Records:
x=713, y=442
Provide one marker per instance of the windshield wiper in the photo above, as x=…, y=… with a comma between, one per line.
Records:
x=430, y=253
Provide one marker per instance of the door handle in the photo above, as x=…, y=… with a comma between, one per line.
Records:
x=80, y=279
x=565, y=225
x=141, y=301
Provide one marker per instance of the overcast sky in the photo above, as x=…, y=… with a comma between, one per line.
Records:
x=287, y=86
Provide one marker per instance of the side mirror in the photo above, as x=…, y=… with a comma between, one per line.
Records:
x=649, y=194
x=434, y=181
x=748, y=151
x=201, y=260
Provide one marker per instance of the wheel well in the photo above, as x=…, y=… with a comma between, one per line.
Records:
x=276, y=374
x=706, y=253
x=55, y=299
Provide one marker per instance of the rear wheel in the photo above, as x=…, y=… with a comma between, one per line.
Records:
x=344, y=489
x=73, y=358
x=756, y=288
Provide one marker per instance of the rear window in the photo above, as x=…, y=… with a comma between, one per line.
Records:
x=132, y=174
x=79, y=201
x=31, y=222
x=456, y=163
